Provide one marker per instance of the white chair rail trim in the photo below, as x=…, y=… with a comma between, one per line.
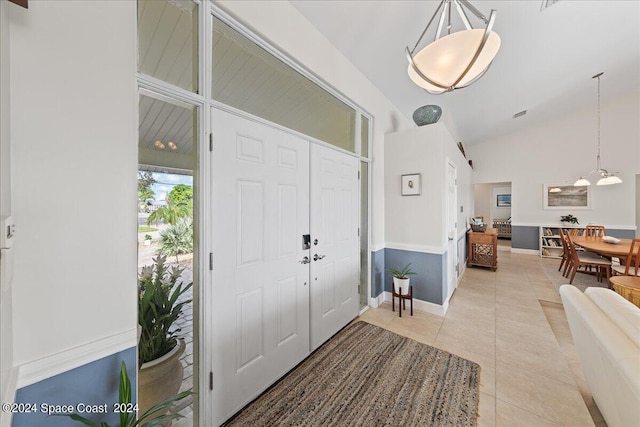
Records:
x=40, y=369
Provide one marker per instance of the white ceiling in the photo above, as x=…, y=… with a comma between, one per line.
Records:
x=544, y=65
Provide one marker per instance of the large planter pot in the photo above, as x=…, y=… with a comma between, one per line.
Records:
x=160, y=379
x=401, y=285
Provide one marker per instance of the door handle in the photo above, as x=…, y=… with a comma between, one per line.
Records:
x=316, y=257
x=305, y=260
x=450, y=238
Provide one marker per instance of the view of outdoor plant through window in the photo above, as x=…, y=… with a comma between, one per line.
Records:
x=166, y=237
x=165, y=218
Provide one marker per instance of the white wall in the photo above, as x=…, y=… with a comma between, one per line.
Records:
x=464, y=181
x=418, y=222
x=415, y=222
x=277, y=22
x=559, y=151
x=5, y=169
x=482, y=201
x=7, y=373
x=496, y=211
x=74, y=162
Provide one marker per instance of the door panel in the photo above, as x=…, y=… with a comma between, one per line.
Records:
x=452, y=232
x=334, y=217
x=260, y=302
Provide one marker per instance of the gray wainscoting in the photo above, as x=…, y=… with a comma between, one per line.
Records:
x=430, y=271
x=622, y=234
x=96, y=383
x=528, y=237
x=525, y=237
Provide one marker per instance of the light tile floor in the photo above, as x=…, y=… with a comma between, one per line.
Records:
x=512, y=323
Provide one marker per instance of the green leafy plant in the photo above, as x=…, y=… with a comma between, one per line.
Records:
x=404, y=273
x=169, y=214
x=129, y=419
x=158, y=308
x=179, y=205
x=145, y=192
x=569, y=218
x=181, y=195
x=177, y=239
x=148, y=237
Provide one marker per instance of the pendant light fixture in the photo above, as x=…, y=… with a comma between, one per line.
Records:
x=458, y=59
x=606, y=177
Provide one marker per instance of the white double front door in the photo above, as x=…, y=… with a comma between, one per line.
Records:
x=275, y=299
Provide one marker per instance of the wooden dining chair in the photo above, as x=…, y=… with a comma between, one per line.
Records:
x=632, y=265
x=587, y=260
x=565, y=261
x=592, y=230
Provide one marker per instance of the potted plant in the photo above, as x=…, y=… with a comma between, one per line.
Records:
x=128, y=411
x=401, y=278
x=569, y=219
x=159, y=349
x=147, y=239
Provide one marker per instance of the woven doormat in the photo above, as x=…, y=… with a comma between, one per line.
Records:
x=368, y=376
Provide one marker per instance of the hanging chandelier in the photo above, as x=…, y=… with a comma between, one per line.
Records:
x=458, y=59
x=606, y=177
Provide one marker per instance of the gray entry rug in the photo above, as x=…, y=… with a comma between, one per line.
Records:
x=368, y=376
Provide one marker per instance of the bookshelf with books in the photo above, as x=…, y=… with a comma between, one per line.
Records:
x=550, y=241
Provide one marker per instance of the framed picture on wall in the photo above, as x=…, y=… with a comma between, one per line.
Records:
x=411, y=184
x=566, y=196
x=504, y=201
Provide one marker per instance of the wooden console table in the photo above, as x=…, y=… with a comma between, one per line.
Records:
x=483, y=249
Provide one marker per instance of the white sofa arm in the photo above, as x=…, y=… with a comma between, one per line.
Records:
x=609, y=358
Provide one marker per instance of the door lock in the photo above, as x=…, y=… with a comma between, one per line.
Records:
x=306, y=241
x=305, y=260
x=316, y=257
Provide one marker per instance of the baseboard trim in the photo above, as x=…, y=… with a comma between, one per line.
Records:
x=376, y=301
x=525, y=251
x=429, y=307
x=66, y=360
x=9, y=396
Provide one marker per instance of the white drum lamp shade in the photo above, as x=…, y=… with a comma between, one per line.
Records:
x=457, y=59
x=446, y=59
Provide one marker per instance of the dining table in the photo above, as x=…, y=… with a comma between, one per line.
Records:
x=597, y=245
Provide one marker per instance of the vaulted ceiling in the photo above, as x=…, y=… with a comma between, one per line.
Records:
x=544, y=65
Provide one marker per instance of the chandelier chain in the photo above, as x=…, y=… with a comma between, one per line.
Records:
x=606, y=177
x=599, y=119
x=427, y=27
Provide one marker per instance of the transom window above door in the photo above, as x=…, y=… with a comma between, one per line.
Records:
x=251, y=79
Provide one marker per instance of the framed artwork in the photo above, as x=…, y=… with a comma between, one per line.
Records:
x=411, y=184
x=565, y=196
x=504, y=201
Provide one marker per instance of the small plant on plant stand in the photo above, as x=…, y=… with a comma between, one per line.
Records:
x=569, y=219
x=401, y=278
x=147, y=239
